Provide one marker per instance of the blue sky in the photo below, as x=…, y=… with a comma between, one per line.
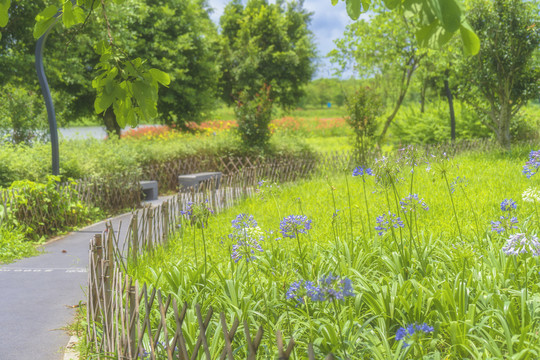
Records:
x=327, y=24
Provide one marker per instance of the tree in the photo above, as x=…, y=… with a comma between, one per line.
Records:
x=385, y=48
x=178, y=37
x=266, y=44
x=436, y=21
x=502, y=77
x=126, y=84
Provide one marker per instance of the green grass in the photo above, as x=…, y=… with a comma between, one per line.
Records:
x=13, y=245
x=444, y=268
x=329, y=144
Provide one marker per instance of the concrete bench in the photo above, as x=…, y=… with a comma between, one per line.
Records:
x=188, y=181
x=150, y=189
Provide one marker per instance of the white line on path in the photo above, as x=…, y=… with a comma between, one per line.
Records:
x=44, y=270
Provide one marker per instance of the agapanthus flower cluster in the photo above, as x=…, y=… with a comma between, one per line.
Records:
x=386, y=221
x=386, y=172
x=508, y=205
x=506, y=223
x=531, y=195
x=360, y=171
x=245, y=249
x=243, y=221
x=410, y=156
x=464, y=250
x=328, y=288
x=197, y=213
x=412, y=202
x=521, y=244
x=457, y=181
x=531, y=167
x=248, y=237
x=412, y=332
x=292, y=225
x=267, y=188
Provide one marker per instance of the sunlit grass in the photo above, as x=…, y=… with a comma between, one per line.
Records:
x=445, y=271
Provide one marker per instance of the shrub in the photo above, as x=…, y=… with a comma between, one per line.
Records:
x=13, y=245
x=363, y=107
x=254, y=113
x=41, y=209
x=22, y=119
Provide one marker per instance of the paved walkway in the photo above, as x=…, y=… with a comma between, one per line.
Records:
x=37, y=295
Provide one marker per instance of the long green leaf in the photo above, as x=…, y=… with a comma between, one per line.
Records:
x=471, y=42
x=354, y=8
x=4, y=15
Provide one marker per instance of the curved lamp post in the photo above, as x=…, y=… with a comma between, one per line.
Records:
x=47, y=96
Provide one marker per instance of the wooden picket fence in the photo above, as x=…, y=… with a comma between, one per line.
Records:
x=282, y=169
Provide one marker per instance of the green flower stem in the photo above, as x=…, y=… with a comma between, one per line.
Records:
x=350, y=208
x=453, y=205
x=367, y=207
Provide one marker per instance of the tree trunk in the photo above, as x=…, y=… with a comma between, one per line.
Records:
x=111, y=126
x=503, y=121
x=406, y=80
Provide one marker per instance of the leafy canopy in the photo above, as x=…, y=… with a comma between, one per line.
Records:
x=436, y=20
x=128, y=85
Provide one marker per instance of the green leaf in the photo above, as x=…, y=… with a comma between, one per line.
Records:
x=334, y=2
x=424, y=34
x=161, y=77
x=365, y=5
x=354, y=8
x=72, y=16
x=391, y=4
x=4, y=14
x=41, y=27
x=47, y=13
x=448, y=12
x=471, y=42
x=433, y=35
x=44, y=20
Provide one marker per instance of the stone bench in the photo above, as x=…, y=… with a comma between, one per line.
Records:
x=150, y=189
x=186, y=182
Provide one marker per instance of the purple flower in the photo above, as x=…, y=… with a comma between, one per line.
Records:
x=531, y=167
x=411, y=202
x=360, y=171
x=386, y=221
x=245, y=249
x=506, y=223
x=508, y=205
x=328, y=288
x=243, y=221
x=519, y=244
x=408, y=332
x=292, y=225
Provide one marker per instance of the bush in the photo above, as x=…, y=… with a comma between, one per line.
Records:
x=22, y=116
x=363, y=107
x=254, y=113
x=13, y=245
x=433, y=126
x=41, y=209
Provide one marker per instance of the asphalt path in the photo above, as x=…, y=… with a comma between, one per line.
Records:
x=38, y=295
